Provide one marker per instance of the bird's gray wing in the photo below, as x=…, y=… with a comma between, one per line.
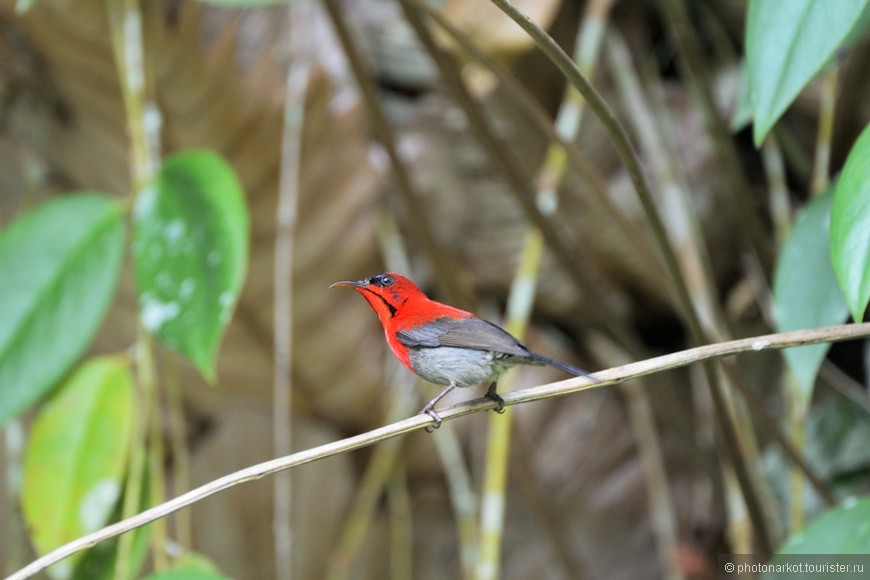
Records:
x=473, y=333
x=425, y=335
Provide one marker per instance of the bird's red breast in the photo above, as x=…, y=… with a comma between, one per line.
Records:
x=400, y=305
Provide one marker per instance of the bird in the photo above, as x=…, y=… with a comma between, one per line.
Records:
x=443, y=344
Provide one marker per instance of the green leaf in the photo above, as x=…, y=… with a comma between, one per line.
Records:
x=60, y=265
x=192, y=567
x=787, y=44
x=76, y=456
x=840, y=536
x=850, y=227
x=805, y=289
x=190, y=248
x=841, y=530
x=101, y=561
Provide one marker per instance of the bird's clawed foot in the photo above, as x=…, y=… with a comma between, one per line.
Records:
x=493, y=396
x=429, y=410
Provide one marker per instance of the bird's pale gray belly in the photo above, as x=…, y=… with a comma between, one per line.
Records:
x=462, y=367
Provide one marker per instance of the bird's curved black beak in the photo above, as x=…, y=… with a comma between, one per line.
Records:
x=350, y=283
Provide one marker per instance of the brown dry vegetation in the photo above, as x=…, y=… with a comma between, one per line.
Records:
x=578, y=500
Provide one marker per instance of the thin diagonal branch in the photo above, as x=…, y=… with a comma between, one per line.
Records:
x=607, y=377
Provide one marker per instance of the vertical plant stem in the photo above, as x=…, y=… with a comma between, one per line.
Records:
x=138, y=453
x=156, y=479
x=739, y=529
x=492, y=505
x=780, y=208
x=300, y=20
x=143, y=123
x=143, y=119
x=586, y=50
x=821, y=164
x=797, y=416
x=179, y=449
x=519, y=308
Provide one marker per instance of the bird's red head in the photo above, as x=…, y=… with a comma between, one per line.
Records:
x=386, y=293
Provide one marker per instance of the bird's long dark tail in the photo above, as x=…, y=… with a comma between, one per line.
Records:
x=556, y=364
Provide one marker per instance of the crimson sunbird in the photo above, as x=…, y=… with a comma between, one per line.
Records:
x=443, y=344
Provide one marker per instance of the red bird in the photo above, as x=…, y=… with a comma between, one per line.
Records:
x=443, y=344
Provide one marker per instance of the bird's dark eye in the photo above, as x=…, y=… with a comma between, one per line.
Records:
x=384, y=280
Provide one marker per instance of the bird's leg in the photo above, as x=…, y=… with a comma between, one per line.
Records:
x=429, y=409
x=493, y=396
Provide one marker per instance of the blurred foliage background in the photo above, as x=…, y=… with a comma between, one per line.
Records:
x=448, y=167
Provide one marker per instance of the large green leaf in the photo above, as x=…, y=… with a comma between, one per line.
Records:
x=805, y=289
x=190, y=247
x=841, y=530
x=787, y=44
x=76, y=456
x=850, y=227
x=839, y=537
x=59, y=266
